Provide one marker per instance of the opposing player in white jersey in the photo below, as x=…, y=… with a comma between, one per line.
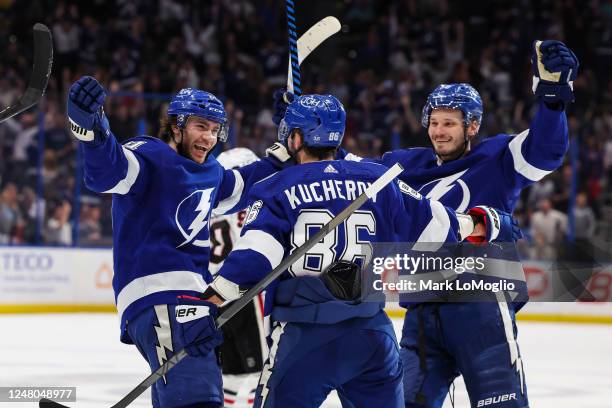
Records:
x=244, y=349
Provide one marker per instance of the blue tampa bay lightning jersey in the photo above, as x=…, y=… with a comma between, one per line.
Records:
x=161, y=206
x=494, y=172
x=288, y=207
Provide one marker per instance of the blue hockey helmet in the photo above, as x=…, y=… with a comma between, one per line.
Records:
x=194, y=102
x=454, y=96
x=321, y=118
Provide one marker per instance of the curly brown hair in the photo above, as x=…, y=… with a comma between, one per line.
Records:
x=165, y=127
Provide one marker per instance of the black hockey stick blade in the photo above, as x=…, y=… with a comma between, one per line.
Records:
x=47, y=403
x=247, y=297
x=43, y=60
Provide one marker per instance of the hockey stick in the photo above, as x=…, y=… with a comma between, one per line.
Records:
x=293, y=86
x=248, y=296
x=43, y=60
x=311, y=39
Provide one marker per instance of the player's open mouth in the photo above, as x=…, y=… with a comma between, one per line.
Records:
x=202, y=148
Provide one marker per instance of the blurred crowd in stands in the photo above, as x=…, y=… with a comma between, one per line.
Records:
x=389, y=55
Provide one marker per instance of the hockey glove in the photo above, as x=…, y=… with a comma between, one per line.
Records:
x=279, y=156
x=226, y=290
x=554, y=69
x=500, y=225
x=281, y=96
x=197, y=328
x=343, y=279
x=85, y=114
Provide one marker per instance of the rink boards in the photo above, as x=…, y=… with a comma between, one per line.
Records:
x=45, y=279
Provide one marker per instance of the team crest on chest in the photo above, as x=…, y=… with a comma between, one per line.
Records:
x=438, y=189
x=192, y=217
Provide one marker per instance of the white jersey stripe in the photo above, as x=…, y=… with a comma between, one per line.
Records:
x=263, y=243
x=436, y=230
x=124, y=186
x=158, y=282
x=231, y=201
x=521, y=166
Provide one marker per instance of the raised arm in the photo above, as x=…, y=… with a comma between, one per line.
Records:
x=539, y=150
x=109, y=166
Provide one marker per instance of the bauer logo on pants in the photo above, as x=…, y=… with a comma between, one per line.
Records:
x=187, y=313
x=496, y=400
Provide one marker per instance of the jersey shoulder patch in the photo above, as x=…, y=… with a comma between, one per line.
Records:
x=152, y=148
x=406, y=189
x=253, y=212
x=134, y=144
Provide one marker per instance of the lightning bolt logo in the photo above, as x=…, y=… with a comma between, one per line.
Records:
x=164, y=335
x=199, y=222
x=444, y=185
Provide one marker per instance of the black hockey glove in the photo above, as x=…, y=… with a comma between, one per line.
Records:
x=343, y=279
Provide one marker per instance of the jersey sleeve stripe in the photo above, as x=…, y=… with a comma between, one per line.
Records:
x=436, y=231
x=263, y=243
x=158, y=282
x=124, y=186
x=521, y=166
x=231, y=201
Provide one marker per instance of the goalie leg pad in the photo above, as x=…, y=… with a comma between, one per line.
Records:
x=343, y=279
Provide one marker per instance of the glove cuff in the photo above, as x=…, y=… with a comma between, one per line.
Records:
x=551, y=92
x=84, y=131
x=491, y=220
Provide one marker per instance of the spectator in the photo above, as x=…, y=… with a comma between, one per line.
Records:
x=551, y=224
x=584, y=218
x=9, y=213
x=58, y=230
x=90, y=229
x=540, y=250
x=388, y=55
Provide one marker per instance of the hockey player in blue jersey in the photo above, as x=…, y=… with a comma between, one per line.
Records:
x=323, y=337
x=479, y=340
x=164, y=191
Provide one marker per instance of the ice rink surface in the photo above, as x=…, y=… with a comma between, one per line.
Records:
x=566, y=365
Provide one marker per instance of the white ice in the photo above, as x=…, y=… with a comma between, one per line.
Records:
x=566, y=365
